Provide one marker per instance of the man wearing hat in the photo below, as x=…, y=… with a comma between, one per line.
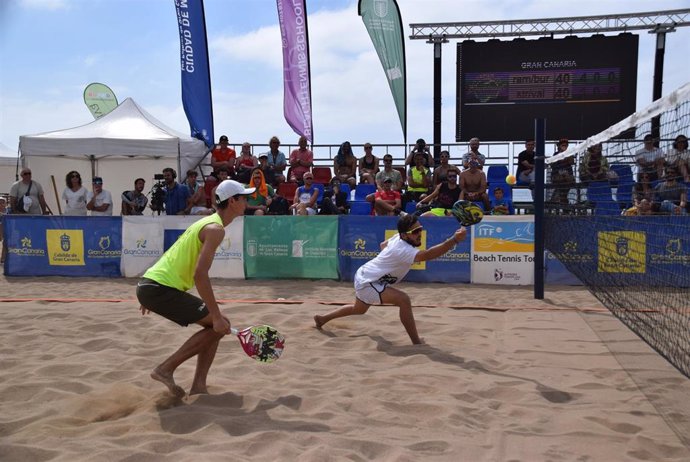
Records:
x=267, y=170
x=99, y=201
x=223, y=156
x=163, y=288
x=387, y=200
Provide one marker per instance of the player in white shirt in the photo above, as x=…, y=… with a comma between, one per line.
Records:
x=374, y=279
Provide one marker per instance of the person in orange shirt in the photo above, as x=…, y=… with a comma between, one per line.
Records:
x=223, y=156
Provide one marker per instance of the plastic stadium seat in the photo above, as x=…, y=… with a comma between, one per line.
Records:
x=599, y=194
x=411, y=207
x=344, y=187
x=287, y=190
x=319, y=198
x=360, y=208
x=363, y=190
x=322, y=175
x=496, y=174
x=625, y=184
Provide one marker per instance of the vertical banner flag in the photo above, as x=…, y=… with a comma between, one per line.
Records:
x=384, y=24
x=194, y=63
x=292, y=16
x=99, y=99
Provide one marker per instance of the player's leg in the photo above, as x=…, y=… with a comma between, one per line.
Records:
x=205, y=357
x=359, y=307
x=402, y=300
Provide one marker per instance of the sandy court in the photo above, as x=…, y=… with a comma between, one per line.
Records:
x=503, y=377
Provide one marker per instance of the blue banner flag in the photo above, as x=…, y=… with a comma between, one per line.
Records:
x=194, y=63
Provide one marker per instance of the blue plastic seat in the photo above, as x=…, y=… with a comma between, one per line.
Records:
x=363, y=190
x=496, y=174
x=360, y=208
x=599, y=194
x=319, y=198
x=411, y=207
x=344, y=187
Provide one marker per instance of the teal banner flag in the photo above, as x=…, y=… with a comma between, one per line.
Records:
x=384, y=24
x=291, y=247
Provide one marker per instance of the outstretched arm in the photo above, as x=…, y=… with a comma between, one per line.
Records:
x=440, y=249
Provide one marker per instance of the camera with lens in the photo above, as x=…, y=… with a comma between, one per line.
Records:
x=158, y=193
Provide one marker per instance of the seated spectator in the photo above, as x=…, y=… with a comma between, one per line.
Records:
x=223, y=156
x=671, y=195
x=525, y=168
x=260, y=200
x=562, y=174
x=74, y=195
x=223, y=175
x=594, y=166
x=334, y=199
x=442, y=169
x=176, y=195
x=267, y=170
x=644, y=207
x=650, y=159
x=473, y=155
x=301, y=161
x=134, y=201
x=418, y=180
x=441, y=200
x=306, y=195
x=196, y=204
x=245, y=163
x=679, y=157
x=420, y=148
x=473, y=185
x=345, y=165
x=643, y=189
x=499, y=204
x=368, y=165
x=389, y=172
x=276, y=162
x=387, y=201
x=99, y=201
x=26, y=196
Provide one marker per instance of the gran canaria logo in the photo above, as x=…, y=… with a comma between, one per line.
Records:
x=26, y=249
x=103, y=250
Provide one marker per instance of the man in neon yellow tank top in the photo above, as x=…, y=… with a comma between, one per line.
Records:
x=163, y=288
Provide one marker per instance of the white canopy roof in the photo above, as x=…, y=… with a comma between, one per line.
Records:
x=126, y=131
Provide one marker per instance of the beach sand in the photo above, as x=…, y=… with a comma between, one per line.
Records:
x=503, y=377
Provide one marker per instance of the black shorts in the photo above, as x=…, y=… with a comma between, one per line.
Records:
x=180, y=307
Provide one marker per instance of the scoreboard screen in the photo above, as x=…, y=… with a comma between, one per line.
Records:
x=580, y=86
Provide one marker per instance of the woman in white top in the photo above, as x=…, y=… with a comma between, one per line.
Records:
x=74, y=195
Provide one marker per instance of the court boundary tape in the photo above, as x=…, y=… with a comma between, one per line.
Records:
x=319, y=302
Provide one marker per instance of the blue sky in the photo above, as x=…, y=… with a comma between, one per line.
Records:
x=51, y=49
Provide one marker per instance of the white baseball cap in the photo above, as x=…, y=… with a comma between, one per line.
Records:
x=228, y=188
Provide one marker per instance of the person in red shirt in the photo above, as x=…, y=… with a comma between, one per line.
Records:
x=223, y=156
x=301, y=161
x=387, y=201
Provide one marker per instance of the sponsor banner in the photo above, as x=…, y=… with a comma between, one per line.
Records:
x=63, y=246
x=557, y=273
x=144, y=239
x=360, y=239
x=100, y=99
x=292, y=17
x=291, y=247
x=503, y=250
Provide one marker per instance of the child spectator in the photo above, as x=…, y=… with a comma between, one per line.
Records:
x=500, y=205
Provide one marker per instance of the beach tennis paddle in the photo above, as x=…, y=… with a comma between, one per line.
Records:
x=467, y=213
x=262, y=343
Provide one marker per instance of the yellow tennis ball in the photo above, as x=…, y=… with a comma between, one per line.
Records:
x=511, y=180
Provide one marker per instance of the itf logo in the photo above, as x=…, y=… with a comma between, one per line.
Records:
x=298, y=248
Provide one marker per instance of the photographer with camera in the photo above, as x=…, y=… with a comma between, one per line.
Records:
x=134, y=201
x=176, y=195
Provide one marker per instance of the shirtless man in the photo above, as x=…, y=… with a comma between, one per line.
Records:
x=473, y=185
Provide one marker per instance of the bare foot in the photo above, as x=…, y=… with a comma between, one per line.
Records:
x=168, y=381
x=318, y=321
x=198, y=391
x=420, y=341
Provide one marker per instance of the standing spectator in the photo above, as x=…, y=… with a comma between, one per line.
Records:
x=443, y=169
x=276, y=162
x=387, y=201
x=26, y=196
x=176, y=195
x=368, y=165
x=473, y=154
x=679, y=157
x=473, y=185
x=418, y=180
x=525, y=168
x=245, y=164
x=74, y=195
x=134, y=201
x=304, y=202
x=442, y=198
x=594, y=166
x=420, y=147
x=196, y=204
x=301, y=161
x=223, y=156
x=345, y=165
x=562, y=174
x=259, y=201
x=650, y=159
x=100, y=202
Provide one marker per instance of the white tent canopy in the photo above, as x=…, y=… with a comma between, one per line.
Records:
x=121, y=146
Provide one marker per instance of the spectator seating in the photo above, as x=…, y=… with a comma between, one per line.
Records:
x=363, y=190
x=344, y=187
x=287, y=190
x=625, y=185
x=360, y=208
x=600, y=196
x=322, y=175
x=507, y=195
x=411, y=207
x=403, y=173
x=496, y=174
x=320, y=187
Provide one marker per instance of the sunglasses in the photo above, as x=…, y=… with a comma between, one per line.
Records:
x=417, y=230
x=98, y=182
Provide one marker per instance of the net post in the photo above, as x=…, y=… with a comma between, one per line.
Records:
x=539, y=139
